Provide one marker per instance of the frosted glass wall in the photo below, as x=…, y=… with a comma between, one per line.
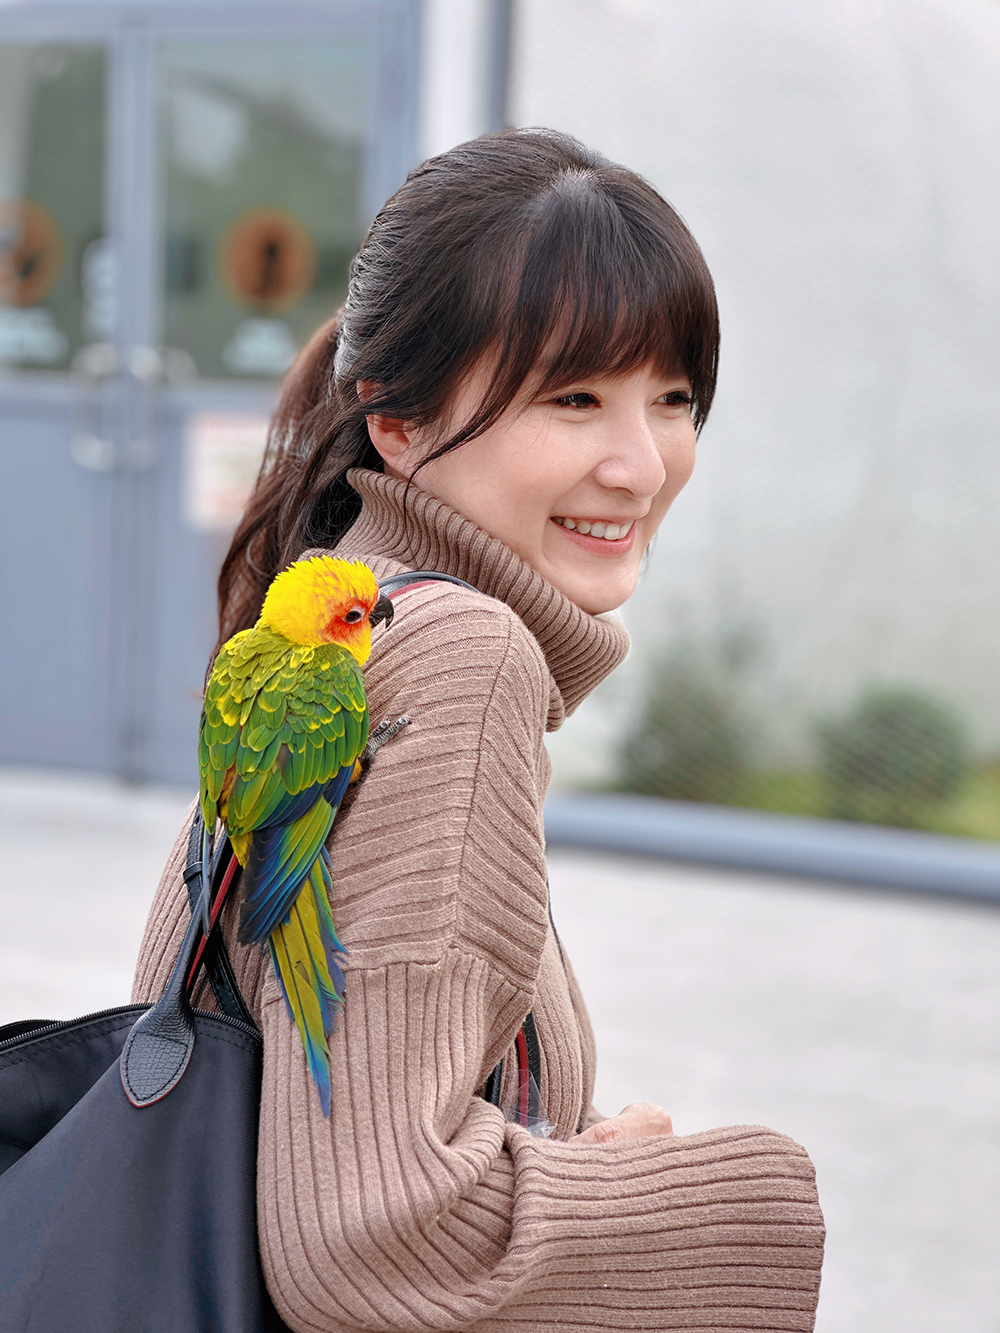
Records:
x=838, y=163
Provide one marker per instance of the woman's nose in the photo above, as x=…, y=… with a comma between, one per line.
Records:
x=633, y=462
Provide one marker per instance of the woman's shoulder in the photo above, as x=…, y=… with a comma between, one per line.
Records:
x=455, y=796
x=449, y=638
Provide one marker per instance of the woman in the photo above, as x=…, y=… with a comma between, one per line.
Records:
x=511, y=395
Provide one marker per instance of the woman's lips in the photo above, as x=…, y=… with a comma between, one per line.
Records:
x=598, y=545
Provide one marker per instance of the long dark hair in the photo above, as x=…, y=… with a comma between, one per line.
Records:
x=523, y=246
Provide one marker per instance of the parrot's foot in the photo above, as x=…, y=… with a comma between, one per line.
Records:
x=385, y=731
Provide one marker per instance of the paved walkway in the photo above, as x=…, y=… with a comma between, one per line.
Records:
x=865, y=1025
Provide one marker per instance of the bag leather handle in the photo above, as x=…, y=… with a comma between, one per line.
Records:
x=159, y=1046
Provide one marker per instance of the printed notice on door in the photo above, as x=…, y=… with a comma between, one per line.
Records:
x=222, y=456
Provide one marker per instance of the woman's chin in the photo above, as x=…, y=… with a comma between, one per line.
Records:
x=595, y=591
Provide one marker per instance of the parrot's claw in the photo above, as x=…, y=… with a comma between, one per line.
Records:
x=385, y=731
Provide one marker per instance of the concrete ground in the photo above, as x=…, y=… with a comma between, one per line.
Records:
x=865, y=1025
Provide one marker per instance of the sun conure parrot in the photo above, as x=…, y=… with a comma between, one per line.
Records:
x=284, y=725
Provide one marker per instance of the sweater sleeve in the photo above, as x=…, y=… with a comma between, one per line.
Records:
x=415, y=1206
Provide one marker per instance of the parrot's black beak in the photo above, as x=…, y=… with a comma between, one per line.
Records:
x=382, y=610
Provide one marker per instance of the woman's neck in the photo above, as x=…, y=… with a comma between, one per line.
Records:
x=420, y=532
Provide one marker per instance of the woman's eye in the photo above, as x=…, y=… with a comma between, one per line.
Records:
x=677, y=398
x=577, y=400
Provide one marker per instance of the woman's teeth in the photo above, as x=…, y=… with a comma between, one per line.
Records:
x=611, y=532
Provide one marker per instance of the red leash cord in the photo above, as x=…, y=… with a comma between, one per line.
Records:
x=412, y=587
x=217, y=907
x=523, y=1100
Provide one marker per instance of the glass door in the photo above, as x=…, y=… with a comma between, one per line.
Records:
x=53, y=290
x=265, y=148
x=56, y=558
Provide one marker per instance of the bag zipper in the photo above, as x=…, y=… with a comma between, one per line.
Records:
x=64, y=1025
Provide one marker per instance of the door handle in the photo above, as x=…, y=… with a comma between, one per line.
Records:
x=94, y=364
x=100, y=362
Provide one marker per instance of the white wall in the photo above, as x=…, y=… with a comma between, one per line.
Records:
x=454, y=62
x=837, y=160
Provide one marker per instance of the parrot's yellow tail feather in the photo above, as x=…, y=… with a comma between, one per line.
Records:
x=241, y=846
x=305, y=963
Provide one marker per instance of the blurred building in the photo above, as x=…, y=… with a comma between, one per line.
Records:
x=182, y=186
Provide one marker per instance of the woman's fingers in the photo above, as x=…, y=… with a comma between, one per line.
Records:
x=637, y=1121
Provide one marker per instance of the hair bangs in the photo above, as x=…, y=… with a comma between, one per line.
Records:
x=600, y=287
x=609, y=298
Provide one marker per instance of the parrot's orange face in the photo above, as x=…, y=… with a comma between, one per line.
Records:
x=326, y=600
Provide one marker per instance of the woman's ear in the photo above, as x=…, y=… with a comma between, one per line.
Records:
x=392, y=437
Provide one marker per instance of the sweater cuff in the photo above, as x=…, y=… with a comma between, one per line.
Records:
x=727, y=1218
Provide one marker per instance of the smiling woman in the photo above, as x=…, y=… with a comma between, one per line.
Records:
x=510, y=396
x=575, y=482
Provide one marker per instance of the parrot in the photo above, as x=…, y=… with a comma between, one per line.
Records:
x=283, y=730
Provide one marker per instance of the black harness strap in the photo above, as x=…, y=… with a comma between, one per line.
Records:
x=398, y=581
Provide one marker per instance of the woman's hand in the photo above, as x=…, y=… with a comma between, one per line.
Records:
x=637, y=1121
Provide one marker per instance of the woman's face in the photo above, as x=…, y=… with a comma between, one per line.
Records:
x=576, y=482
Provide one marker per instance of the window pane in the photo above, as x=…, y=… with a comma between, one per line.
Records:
x=55, y=277
x=265, y=149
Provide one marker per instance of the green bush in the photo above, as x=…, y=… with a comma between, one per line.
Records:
x=688, y=743
x=892, y=759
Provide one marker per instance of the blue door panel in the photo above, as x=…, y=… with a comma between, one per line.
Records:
x=55, y=598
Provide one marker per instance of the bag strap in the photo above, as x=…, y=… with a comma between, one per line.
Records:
x=159, y=1046
x=215, y=956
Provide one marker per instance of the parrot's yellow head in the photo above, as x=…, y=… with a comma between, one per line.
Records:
x=326, y=600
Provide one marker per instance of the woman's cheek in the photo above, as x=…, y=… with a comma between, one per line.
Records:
x=686, y=453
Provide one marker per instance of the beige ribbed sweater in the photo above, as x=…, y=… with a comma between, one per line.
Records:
x=415, y=1206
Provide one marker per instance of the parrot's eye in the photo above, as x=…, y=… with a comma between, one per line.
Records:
x=355, y=614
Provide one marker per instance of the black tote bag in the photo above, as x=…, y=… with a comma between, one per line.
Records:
x=136, y=1213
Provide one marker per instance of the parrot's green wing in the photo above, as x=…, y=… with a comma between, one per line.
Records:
x=280, y=720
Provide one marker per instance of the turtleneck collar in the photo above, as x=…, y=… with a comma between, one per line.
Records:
x=424, y=533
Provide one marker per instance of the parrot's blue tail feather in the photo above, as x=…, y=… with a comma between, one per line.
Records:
x=306, y=954
x=332, y=946
x=281, y=856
